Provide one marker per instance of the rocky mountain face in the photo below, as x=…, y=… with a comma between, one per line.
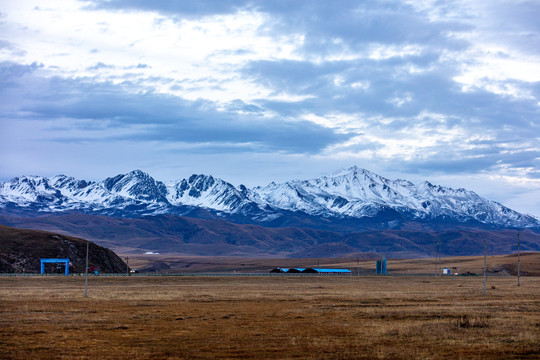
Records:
x=359, y=193
x=22, y=249
x=352, y=197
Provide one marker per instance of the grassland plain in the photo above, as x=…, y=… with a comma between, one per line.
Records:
x=316, y=317
x=497, y=264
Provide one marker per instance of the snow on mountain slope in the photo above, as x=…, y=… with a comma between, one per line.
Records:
x=62, y=193
x=27, y=190
x=344, y=193
x=358, y=192
x=352, y=192
x=136, y=185
x=348, y=192
x=208, y=192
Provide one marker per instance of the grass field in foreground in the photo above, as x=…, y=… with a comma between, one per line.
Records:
x=269, y=318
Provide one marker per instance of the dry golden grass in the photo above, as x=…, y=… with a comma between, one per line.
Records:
x=314, y=317
x=501, y=264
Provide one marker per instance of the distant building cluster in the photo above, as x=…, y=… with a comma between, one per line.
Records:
x=310, y=271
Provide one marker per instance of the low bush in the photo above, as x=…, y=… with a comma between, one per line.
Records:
x=478, y=321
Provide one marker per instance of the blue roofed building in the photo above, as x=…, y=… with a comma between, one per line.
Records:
x=326, y=271
x=311, y=271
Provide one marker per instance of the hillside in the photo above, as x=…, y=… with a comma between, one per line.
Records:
x=22, y=249
x=168, y=234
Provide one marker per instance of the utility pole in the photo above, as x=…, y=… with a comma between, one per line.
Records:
x=439, y=260
x=518, y=257
x=485, y=267
x=436, y=255
x=86, y=272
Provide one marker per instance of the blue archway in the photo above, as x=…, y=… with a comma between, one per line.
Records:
x=65, y=261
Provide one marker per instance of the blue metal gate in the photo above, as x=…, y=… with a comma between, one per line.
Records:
x=65, y=261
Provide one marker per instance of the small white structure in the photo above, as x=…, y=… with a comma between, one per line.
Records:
x=446, y=271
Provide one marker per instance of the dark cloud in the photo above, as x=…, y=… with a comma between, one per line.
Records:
x=11, y=72
x=100, y=66
x=491, y=156
x=4, y=44
x=185, y=8
x=517, y=15
x=353, y=23
x=165, y=118
x=368, y=23
x=239, y=105
x=434, y=103
x=471, y=162
x=432, y=91
x=449, y=165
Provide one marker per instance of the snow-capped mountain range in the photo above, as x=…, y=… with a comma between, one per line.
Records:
x=352, y=193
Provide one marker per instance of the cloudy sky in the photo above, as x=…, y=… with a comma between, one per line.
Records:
x=255, y=91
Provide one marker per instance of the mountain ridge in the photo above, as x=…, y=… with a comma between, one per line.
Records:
x=170, y=234
x=353, y=195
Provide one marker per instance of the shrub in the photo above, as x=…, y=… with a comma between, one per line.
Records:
x=479, y=321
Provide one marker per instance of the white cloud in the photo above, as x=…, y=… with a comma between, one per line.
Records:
x=422, y=86
x=400, y=100
x=384, y=52
x=202, y=56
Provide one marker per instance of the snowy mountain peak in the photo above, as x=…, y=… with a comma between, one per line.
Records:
x=348, y=193
x=63, y=181
x=355, y=178
x=211, y=193
x=352, y=171
x=356, y=192
x=137, y=185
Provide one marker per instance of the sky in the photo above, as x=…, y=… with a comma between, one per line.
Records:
x=260, y=91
